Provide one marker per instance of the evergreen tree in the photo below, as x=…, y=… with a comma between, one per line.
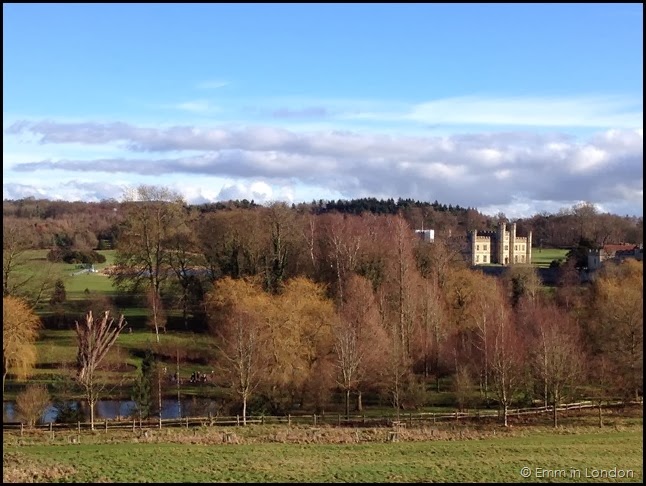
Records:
x=58, y=295
x=142, y=393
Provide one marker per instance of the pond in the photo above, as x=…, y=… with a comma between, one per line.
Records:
x=113, y=409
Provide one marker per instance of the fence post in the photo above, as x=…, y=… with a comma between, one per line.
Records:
x=22, y=426
x=237, y=419
x=187, y=421
x=339, y=419
x=315, y=420
x=51, y=429
x=160, y=421
x=410, y=419
x=262, y=420
x=106, y=425
x=363, y=418
x=289, y=419
x=78, y=426
x=134, y=424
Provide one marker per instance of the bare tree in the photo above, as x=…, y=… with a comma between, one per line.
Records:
x=95, y=338
x=558, y=355
x=349, y=359
x=144, y=251
x=240, y=345
x=506, y=359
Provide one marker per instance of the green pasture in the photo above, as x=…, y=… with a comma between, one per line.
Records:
x=542, y=257
x=56, y=357
x=200, y=456
x=36, y=263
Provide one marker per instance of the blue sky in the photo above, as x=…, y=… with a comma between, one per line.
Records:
x=518, y=108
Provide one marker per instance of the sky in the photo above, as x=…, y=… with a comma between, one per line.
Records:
x=513, y=108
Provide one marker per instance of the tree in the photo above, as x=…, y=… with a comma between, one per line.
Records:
x=522, y=282
x=184, y=260
x=94, y=338
x=32, y=402
x=15, y=241
x=143, y=252
x=432, y=332
x=237, y=318
x=617, y=322
x=507, y=358
x=20, y=327
x=58, y=295
x=283, y=245
x=558, y=354
x=359, y=340
x=32, y=285
x=142, y=393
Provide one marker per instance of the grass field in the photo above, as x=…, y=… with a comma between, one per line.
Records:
x=543, y=257
x=283, y=454
x=36, y=263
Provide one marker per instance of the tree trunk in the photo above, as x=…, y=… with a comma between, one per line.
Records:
x=504, y=413
x=347, y=403
x=359, y=402
x=244, y=410
x=600, y=418
x=555, y=415
x=92, y=414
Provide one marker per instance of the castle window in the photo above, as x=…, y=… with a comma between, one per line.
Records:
x=506, y=247
x=484, y=247
x=477, y=258
x=484, y=258
x=477, y=247
x=515, y=247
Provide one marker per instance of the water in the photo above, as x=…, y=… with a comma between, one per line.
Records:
x=112, y=409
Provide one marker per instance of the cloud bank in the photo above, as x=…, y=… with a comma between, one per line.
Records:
x=513, y=171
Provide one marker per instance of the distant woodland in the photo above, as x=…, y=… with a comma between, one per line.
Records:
x=96, y=225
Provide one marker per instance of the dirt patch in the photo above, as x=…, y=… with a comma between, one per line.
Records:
x=16, y=468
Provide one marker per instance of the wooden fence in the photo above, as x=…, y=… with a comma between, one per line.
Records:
x=394, y=420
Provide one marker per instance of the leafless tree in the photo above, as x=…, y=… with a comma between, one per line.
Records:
x=95, y=338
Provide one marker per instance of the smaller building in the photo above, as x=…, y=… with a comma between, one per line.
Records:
x=426, y=235
x=616, y=252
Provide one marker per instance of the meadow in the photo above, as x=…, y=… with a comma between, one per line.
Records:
x=542, y=257
x=574, y=453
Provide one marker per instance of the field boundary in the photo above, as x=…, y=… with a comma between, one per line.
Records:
x=396, y=421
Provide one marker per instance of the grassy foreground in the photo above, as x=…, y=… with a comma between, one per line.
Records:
x=301, y=454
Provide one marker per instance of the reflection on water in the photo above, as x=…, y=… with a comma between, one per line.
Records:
x=115, y=409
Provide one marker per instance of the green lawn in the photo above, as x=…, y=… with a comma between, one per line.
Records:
x=543, y=257
x=566, y=455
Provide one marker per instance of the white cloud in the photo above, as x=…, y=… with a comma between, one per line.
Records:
x=212, y=84
x=483, y=170
x=581, y=111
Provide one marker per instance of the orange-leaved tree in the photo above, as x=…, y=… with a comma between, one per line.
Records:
x=20, y=327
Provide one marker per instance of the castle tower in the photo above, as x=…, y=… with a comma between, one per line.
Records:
x=512, y=243
x=502, y=229
x=528, y=251
x=474, y=237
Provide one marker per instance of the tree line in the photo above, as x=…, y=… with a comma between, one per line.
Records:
x=95, y=225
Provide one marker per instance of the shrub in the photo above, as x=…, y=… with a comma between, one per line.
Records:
x=31, y=403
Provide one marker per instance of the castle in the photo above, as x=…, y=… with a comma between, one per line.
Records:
x=500, y=246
